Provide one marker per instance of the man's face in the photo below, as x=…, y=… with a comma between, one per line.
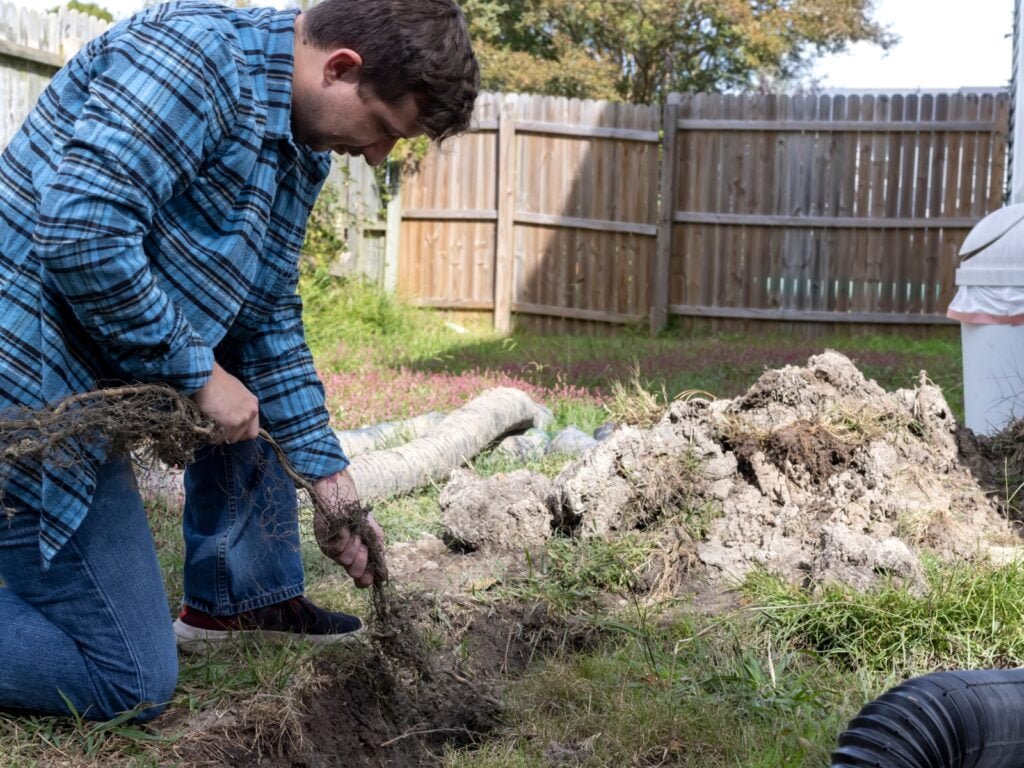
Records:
x=331, y=112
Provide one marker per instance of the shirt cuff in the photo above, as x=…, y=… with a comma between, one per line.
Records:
x=187, y=369
x=319, y=458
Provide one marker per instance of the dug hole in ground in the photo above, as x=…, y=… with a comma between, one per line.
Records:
x=814, y=474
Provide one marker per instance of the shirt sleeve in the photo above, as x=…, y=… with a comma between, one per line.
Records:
x=160, y=98
x=275, y=363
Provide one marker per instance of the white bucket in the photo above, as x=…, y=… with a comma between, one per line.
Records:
x=993, y=376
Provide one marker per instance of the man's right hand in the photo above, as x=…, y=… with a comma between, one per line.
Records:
x=232, y=407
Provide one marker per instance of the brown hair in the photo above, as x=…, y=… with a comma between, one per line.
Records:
x=420, y=47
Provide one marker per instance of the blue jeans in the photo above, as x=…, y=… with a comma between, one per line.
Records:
x=96, y=627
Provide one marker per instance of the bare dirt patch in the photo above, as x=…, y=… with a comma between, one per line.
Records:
x=362, y=709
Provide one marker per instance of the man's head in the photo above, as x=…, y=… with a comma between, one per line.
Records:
x=368, y=72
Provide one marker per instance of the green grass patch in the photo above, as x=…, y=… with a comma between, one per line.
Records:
x=972, y=616
x=577, y=575
x=686, y=692
x=383, y=360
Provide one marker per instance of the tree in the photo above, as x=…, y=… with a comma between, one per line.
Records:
x=639, y=50
x=89, y=9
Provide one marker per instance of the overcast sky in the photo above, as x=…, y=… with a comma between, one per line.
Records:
x=944, y=44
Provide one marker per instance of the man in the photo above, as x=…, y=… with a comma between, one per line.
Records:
x=151, y=212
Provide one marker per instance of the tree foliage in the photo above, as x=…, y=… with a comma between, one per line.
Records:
x=89, y=9
x=640, y=50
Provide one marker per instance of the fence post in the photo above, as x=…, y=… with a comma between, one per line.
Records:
x=666, y=215
x=392, y=234
x=504, y=261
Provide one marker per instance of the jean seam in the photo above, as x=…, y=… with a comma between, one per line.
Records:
x=249, y=604
x=223, y=596
x=136, y=666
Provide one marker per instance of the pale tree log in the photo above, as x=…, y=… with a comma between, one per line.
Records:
x=459, y=437
x=386, y=434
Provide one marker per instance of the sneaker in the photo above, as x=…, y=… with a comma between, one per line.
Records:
x=292, y=619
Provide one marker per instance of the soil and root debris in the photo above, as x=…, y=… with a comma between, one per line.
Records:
x=816, y=474
x=399, y=701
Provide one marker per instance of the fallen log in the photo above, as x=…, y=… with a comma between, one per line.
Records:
x=459, y=437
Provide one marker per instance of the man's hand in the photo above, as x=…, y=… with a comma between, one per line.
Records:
x=344, y=547
x=233, y=408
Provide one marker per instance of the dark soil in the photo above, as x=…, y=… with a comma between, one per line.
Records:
x=373, y=712
x=810, y=445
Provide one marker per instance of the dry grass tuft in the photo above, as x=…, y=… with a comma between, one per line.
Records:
x=633, y=402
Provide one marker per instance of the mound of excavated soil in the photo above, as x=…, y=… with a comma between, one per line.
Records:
x=816, y=474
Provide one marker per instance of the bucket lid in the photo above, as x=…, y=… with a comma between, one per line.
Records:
x=993, y=252
x=991, y=228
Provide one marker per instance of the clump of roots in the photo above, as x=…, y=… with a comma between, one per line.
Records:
x=151, y=421
x=146, y=419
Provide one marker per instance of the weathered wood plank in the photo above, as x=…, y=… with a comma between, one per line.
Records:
x=504, y=277
x=587, y=131
x=823, y=222
x=662, y=263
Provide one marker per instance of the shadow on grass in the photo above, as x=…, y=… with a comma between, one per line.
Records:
x=724, y=365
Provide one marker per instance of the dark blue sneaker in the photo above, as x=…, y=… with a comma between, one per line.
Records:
x=293, y=619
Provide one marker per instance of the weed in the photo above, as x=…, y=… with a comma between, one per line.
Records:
x=571, y=575
x=75, y=741
x=633, y=402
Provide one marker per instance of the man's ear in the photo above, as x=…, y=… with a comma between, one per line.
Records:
x=342, y=64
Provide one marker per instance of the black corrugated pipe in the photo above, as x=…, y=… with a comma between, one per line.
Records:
x=969, y=719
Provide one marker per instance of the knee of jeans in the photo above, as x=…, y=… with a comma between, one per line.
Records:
x=150, y=693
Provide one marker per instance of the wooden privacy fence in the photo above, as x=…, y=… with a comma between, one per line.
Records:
x=549, y=207
x=829, y=208
x=834, y=208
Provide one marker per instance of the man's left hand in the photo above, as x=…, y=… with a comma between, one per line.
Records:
x=343, y=546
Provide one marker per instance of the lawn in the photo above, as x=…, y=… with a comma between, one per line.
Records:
x=767, y=678
x=394, y=361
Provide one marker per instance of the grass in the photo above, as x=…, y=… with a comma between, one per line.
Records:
x=970, y=617
x=770, y=684
x=684, y=693
x=385, y=364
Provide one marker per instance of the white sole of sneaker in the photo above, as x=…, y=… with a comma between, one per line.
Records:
x=196, y=639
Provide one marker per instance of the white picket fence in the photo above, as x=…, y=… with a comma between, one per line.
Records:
x=33, y=46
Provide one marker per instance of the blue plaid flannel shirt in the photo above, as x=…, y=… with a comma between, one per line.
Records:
x=152, y=208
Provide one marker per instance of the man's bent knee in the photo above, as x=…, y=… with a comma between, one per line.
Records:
x=149, y=694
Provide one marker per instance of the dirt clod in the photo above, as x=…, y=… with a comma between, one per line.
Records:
x=504, y=512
